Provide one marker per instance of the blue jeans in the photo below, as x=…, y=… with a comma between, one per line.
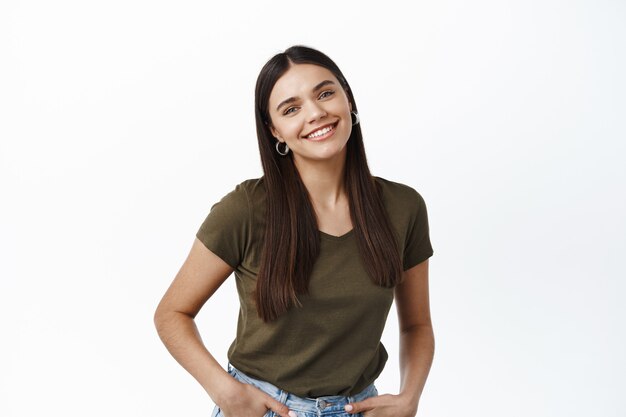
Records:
x=331, y=405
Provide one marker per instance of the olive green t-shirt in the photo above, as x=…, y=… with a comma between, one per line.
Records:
x=331, y=344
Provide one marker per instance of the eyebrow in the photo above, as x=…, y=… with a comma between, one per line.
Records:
x=317, y=87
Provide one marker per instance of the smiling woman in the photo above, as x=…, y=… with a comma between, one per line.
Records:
x=317, y=111
x=320, y=249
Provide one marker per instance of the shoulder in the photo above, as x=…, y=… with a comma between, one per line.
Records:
x=393, y=186
x=252, y=185
x=235, y=208
x=244, y=190
x=408, y=215
x=228, y=228
x=399, y=195
x=237, y=201
x=253, y=190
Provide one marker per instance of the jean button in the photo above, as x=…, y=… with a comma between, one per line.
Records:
x=323, y=404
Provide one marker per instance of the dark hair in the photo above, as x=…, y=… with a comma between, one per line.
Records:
x=292, y=240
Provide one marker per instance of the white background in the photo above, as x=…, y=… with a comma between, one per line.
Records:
x=122, y=122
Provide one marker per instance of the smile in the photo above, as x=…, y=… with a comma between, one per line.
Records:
x=322, y=133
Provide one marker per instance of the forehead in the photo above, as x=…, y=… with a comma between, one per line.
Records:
x=299, y=80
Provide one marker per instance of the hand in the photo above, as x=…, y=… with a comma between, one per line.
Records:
x=246, y=400
x=386, y=405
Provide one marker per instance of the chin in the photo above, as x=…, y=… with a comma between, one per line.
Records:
x=328, y=154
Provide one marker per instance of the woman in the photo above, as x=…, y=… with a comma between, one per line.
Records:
x=320, y=249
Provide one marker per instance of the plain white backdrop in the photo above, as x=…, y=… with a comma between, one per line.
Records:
x=122, y=122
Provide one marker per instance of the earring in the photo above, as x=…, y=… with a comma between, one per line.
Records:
x=355, y=117
x=278, y=149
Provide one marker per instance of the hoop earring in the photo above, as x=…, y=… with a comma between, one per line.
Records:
x=278, y=149
x=355, y=117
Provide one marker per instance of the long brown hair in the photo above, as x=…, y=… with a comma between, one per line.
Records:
x=292, y=240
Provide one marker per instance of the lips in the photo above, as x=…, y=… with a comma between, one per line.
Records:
x=319, y=132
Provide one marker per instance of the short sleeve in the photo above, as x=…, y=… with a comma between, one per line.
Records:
x=417, y=245
x=225, y=229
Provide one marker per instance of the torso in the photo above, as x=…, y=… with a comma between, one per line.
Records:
x=305, y=351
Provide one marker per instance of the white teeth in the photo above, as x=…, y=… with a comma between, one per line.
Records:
x=320, y=132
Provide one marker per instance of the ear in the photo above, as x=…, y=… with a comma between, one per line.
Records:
x=275, y=133
x=345, y=90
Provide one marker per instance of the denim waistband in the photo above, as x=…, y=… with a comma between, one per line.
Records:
x=326, y=404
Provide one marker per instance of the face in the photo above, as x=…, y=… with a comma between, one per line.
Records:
x=310, y=111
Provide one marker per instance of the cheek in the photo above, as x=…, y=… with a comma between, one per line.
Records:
x=341, y=107
x=291, y=128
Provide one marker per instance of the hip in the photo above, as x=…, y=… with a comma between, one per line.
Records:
x=330, y=405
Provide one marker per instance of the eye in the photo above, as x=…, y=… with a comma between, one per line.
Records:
x=326, y=93
x=289, y=110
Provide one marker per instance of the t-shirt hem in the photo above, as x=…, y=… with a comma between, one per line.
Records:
x=410, y=264
x=217, y=252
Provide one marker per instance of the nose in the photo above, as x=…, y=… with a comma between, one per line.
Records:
x=315, y=112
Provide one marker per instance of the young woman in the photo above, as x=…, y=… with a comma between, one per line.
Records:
x=320, y=249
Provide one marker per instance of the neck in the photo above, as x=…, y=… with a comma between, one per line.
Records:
x=324, y=180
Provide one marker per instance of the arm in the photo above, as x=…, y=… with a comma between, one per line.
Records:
x=200, y=276
x=197, y=280
x=417, y=340
x=417, y=346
